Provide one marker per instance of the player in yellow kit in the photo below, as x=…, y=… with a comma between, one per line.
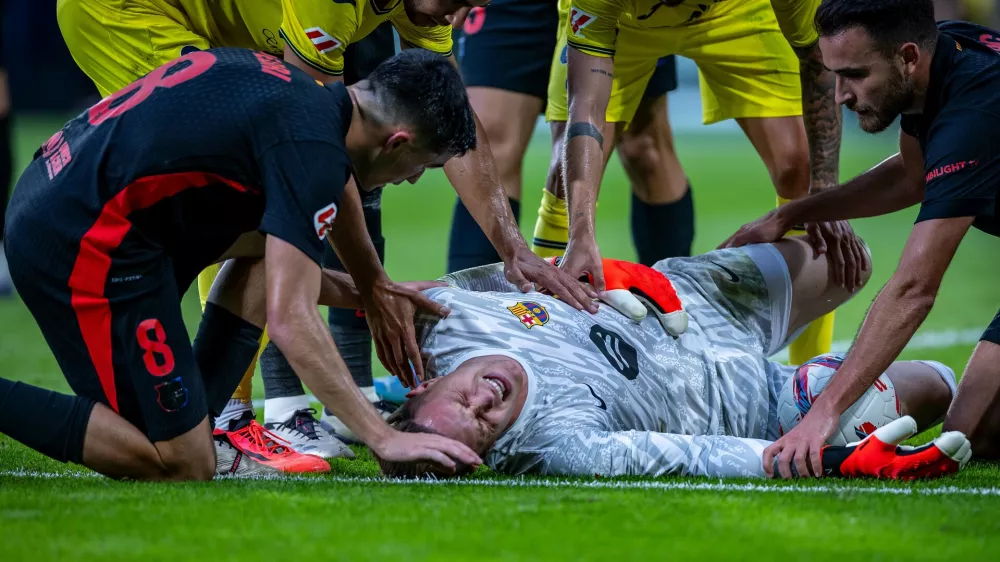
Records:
x=748, y=73
x=116, y=42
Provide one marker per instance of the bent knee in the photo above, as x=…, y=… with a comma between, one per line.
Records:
x=197, y=467
x=639, y=151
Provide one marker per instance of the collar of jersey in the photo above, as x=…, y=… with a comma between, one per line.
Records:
x=940, y=67
x=522, y=419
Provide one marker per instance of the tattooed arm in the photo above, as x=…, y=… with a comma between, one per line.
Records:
x=821, y=114
x=588, y=140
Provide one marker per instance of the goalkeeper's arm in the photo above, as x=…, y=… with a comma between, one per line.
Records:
x=587, y=452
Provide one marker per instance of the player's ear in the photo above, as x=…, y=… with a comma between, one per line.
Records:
x=910, y=54
x=422, y=388
x=397, y=140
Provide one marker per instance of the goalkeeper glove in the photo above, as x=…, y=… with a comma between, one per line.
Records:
x=634, y=289
x=880, y=456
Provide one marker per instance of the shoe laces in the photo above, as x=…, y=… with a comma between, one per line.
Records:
x=304, y=422
x=385, y=407
x=261, y=438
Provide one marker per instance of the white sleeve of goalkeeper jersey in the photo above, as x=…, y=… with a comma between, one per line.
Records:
x=484, y=278
x=587, y=452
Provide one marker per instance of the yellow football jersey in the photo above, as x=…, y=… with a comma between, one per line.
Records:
x=317, y=30
x=592, y=26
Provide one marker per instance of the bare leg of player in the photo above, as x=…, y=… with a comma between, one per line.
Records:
x=976, y=408
x=646, y=150
x=117, y=449
x=662, y=208
x=815, y=292
x=782, y=145
x=509, y=119
x=922, y=389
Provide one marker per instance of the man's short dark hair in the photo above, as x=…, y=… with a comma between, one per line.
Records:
x=890, y=23
x=425, y=91
x=403, y=420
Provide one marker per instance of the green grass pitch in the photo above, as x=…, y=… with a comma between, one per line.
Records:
x=50, y=511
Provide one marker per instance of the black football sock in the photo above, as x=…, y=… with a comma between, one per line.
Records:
x=468, y=245
x=51, y=423
x=661, y=231
x=224, y=349
x=281, y=380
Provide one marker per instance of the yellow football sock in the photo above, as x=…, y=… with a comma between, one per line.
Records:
x=817, y=338
x=244, y=392
x=205, y=280
x=551, y=228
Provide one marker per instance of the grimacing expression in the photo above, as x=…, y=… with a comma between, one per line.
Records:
x=869, y=83
x=430, y=13
x=476, y=403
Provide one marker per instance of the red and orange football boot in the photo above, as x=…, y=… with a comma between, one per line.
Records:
x=256, y=442
x=880, y=455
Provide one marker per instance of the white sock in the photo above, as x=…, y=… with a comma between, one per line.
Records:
x=278, y=410
x=233, y=410
x=947, y=375
x=368, y=391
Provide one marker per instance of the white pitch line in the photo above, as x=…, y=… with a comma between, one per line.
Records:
x=660, y=485
x=926, y=340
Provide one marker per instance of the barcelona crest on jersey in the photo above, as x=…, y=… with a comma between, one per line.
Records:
x=530, y=313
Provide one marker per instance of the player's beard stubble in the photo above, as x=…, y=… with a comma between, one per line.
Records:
x=896, y=98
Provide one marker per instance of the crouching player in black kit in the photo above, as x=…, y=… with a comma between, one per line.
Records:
x=942, y=79
x=122, y=208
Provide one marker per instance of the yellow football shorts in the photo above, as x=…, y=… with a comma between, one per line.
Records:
x=116, y=42
x=746, y=66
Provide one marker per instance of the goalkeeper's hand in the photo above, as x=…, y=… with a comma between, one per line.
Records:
x=634, y=289
x=880, y=455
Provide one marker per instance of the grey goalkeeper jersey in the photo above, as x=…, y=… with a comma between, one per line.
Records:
x=610, y=396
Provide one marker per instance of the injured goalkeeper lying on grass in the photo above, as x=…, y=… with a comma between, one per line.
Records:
x=536, y=387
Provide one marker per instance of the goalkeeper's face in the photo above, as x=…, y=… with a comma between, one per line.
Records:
x=476, y=403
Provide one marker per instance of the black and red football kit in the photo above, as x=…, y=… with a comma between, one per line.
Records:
x=122, y=208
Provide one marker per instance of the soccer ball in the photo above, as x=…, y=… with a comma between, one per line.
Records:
x=878, y=406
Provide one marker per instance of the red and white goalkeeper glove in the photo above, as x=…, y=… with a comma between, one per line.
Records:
x=880, y=455
x=634, y=289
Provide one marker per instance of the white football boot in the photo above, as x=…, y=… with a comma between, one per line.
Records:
x=305, y=435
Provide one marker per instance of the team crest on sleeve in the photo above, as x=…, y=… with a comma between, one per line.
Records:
x=530, y=314
x=322, y=40
x=323, y=219
x=580, y=19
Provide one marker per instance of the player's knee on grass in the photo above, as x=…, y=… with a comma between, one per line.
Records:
x=190, y=456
